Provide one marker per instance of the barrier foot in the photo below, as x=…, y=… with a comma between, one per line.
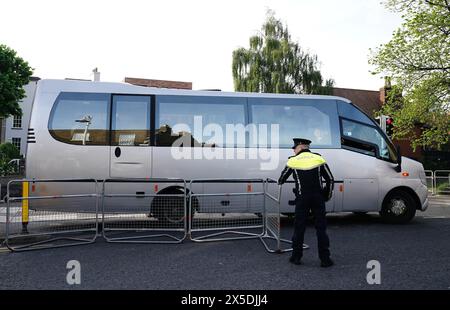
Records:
x=138, y=239
x=41, y=244
x=278, y=250
x=24, y=228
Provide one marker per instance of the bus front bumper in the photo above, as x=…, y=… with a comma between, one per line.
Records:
x=422, y=192
x=425, y=205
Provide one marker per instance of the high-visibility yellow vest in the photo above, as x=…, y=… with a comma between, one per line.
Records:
x=306, y=161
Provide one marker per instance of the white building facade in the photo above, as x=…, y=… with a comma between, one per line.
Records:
x=14, y=129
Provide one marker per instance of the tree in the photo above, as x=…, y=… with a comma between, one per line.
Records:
x=7, y=152
x=14, y=74
x=418, y=60
x=276, y=64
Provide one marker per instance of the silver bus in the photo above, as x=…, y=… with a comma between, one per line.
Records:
x=99, y=130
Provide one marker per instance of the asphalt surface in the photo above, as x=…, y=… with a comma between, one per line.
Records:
x=412, y=256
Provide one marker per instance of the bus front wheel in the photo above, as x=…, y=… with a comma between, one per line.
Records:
x=398, y=207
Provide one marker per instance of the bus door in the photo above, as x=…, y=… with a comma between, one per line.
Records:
x=130, y=151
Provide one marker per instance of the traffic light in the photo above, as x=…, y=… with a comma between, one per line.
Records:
x=386, y=124
x=389, y=126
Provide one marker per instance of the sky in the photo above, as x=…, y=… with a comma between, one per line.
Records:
x=189, y=40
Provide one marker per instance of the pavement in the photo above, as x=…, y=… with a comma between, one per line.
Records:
x=412, y=256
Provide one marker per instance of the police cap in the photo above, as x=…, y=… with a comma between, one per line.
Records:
x=298, y=141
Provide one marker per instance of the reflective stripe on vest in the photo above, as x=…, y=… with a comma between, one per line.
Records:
x=305, y=161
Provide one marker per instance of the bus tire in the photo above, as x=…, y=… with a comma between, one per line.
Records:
x=398, y=207
x=170, y=210
x=360, y=213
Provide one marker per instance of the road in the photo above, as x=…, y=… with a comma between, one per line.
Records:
x=412, y=256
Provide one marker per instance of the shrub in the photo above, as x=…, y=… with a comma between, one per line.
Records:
x=7, y=152
x=443, y=188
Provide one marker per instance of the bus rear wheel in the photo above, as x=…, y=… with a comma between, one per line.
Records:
x=171, y=210
x=398, y=207
x=168, y=209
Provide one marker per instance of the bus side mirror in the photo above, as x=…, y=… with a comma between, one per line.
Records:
x=399, y=160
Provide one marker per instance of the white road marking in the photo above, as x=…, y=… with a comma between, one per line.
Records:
x=439, y=203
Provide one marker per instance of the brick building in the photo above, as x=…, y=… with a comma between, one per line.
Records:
x=158, y=83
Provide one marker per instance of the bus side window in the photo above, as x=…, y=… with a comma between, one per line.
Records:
x=80, y=118
x=311, y=119
x=194, y=121
x=130, y=121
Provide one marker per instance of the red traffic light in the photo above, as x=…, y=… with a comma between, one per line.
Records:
x=389, y=121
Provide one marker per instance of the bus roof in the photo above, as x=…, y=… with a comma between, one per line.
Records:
x=56, y=86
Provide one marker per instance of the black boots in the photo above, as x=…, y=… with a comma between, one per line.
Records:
x=326, y=263
x=296, y=258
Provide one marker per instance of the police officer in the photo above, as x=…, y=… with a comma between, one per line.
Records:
x=308, y=170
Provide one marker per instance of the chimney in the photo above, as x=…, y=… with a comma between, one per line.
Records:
x=96, y=75
x=384, y=90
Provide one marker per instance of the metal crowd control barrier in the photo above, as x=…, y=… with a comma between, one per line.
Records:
x=154, y=216
x=442, y=182
x=45, y=222
x=235, y=214
x=2, y=222
x=273, y=219
x=231, y=214
x=429, y=175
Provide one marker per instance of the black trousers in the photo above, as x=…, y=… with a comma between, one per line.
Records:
x=315, y=203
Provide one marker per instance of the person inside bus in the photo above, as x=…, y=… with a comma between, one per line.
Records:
x=308, y=169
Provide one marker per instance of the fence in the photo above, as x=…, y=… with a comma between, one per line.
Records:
x=38, y=219
x=236, y=209
x=230, y=208
x=273, y=219
x=2, y=222
x=441, y=182
x=140, y=213
x=429, y=175
x=136, y=210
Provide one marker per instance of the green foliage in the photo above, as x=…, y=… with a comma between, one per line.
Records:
x=14, y=74
x=437, y=160
x=276, y=64
x=418, y=60
x=7, y=152
x=6, y=168
x=443, y=188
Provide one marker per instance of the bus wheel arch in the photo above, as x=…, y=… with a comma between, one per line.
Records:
x=171, y=209
x=399, y=205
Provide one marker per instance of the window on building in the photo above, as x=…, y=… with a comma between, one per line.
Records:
x=16, y=142
x=17, y=121
x=200, y=121
x=80, y=118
